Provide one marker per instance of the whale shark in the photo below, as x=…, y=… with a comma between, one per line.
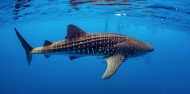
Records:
x=115, y=48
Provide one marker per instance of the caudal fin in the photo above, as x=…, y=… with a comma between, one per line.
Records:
x=25, y=45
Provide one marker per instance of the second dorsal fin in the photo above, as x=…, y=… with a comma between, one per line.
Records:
x=46, y=43
x=74, y=32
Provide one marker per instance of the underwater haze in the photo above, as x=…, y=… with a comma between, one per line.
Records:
x=164, y=24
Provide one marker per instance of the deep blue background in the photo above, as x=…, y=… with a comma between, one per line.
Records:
x=164, y=71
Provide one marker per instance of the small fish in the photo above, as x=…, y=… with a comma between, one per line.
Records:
x=114, y=47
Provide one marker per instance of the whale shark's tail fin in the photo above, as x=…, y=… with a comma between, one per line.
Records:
x=25, y=45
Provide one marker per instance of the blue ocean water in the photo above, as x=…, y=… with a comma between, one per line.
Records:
x=164, y=24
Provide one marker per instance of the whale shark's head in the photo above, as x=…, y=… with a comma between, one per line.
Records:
x=145, y=49
x=148, y=48
x=138, y=48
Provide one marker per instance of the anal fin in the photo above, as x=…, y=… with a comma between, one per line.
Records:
x=47, y=56
x=73, y=57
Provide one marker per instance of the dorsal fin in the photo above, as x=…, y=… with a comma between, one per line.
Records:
x=74, y=32
x=46, y=43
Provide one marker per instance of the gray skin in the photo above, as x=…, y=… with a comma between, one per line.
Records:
x=114, y=47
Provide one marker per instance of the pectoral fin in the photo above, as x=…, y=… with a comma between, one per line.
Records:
x=114, y=62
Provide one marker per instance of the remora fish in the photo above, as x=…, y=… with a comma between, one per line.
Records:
x=114, y=47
